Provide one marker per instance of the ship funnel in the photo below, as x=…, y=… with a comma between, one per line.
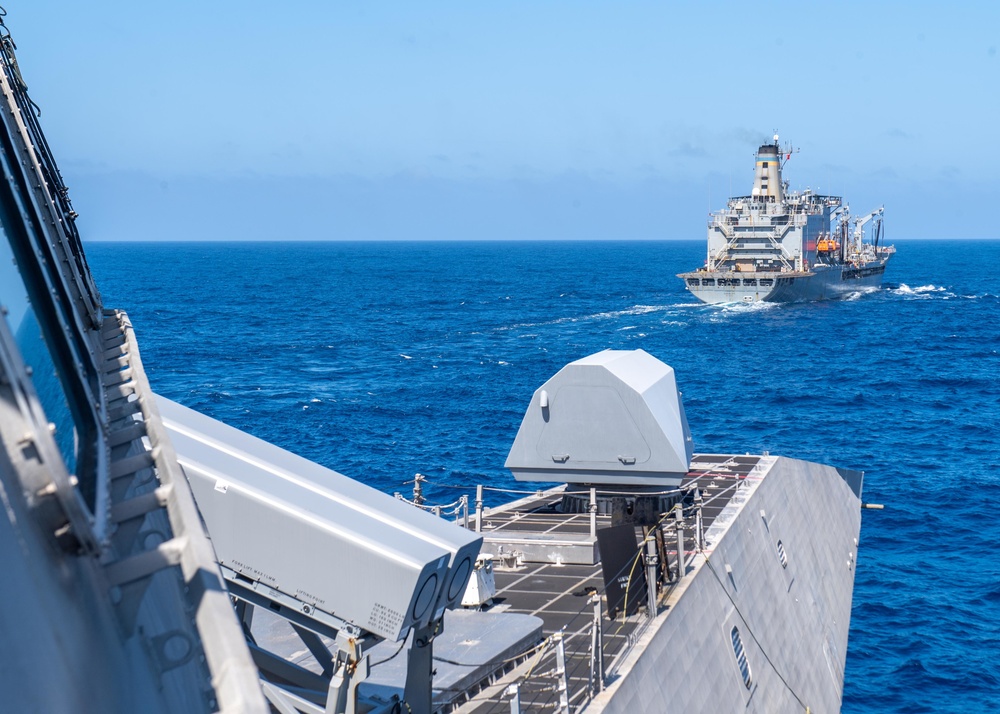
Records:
x=767, y=186
x=612, y=418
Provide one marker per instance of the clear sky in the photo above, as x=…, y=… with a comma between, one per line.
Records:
x=311, y=119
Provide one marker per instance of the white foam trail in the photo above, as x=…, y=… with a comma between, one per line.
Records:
x=923, y=291
x=741, y=307
x=610, y=315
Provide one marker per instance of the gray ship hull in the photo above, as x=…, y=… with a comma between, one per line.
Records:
x=793, y=612
x=822, y=282
x=740, y=568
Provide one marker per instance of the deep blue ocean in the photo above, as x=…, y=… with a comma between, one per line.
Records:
x=382, y=360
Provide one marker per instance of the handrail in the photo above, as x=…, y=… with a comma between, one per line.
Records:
x=581, y=631
x=234, y=675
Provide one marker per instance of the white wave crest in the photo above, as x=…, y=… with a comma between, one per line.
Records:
x=744, y=307
x=923, y=291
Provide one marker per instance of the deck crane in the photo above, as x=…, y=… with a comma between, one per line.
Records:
x=859, y=223
x=857, y=241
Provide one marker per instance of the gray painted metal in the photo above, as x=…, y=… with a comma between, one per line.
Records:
x=470, y=646
x=291, y=525
x=112, y=601
x=793, y=620
x=819, y=283
x=614, y=417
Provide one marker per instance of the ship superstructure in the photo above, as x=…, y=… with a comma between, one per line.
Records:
x=155, y=559
x=779, y=245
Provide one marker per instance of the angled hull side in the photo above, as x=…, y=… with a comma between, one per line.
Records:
x=819, y=283
x=792, y=620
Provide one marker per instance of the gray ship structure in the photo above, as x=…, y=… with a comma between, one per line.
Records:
x=778, y=245
x=157, y=560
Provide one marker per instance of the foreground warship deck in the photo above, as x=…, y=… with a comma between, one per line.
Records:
x=751, y=558
x=158, y=560
x=752, y=552
x=737, y=549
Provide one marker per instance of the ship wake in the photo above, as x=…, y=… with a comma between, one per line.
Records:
x=922, y=292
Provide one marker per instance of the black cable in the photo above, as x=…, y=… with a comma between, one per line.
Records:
x=392, y=656
x=746, y=622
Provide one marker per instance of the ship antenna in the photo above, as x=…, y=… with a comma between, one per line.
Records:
x=787, y=153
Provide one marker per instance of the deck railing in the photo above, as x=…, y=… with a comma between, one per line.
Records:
x=573, y=665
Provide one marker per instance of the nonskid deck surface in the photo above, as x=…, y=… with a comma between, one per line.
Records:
x=558, y=593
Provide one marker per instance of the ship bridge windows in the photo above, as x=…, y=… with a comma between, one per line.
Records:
x=38, y=355
x=750, y=282
x=56, y=352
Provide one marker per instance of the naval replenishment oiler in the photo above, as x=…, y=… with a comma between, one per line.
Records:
x=157, y=560
x=777, y=245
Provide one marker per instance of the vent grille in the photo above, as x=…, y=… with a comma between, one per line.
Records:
x=741, y=657
x=781, y=555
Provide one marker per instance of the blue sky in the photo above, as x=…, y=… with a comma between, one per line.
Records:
x=517, y=120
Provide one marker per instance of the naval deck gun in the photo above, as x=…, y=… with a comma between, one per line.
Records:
x=614, y=418
x=117, y=600
x=611, y=426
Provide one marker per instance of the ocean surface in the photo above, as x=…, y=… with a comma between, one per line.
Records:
x=382, y=360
